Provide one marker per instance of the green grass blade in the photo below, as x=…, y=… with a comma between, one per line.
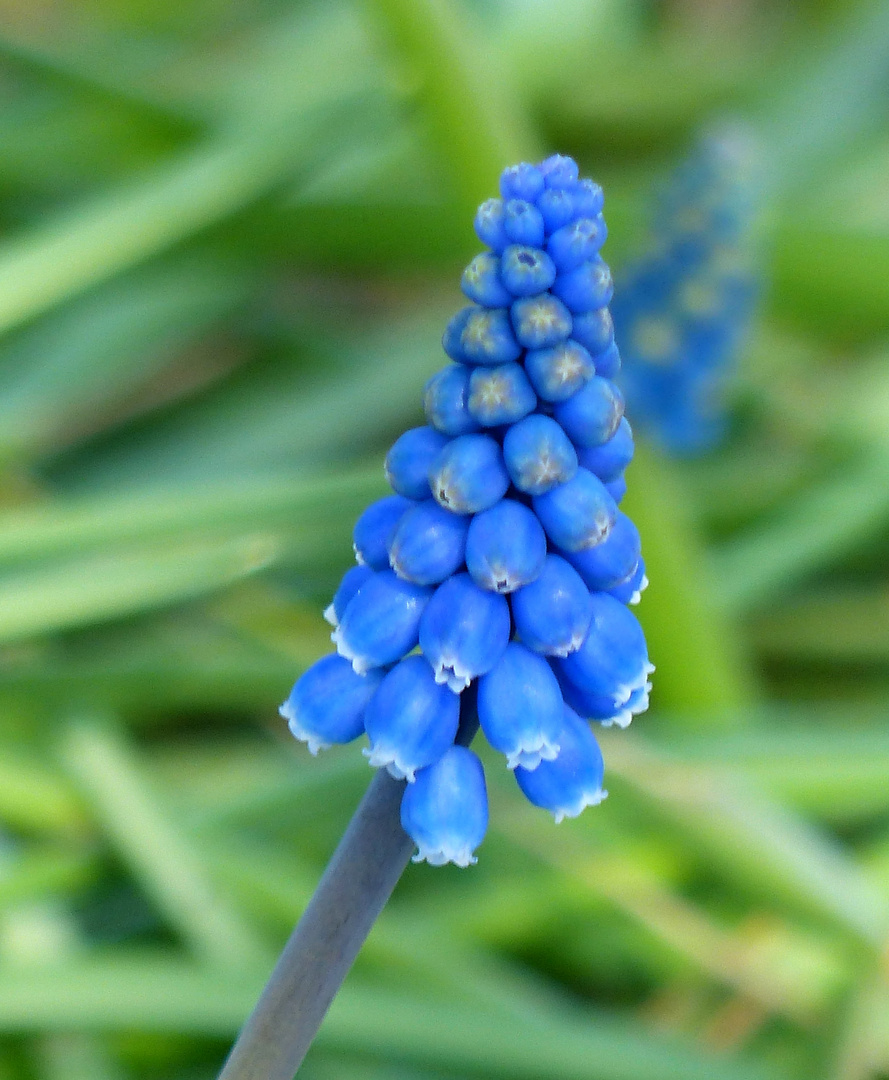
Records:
x=165, y=864
x=756, y=841
x=314, y=507
x=102, y=586
x=809, y=532
x=122, y=228
x=170, y=996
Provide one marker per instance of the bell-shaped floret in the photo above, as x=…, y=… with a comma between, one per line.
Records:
x=375, y=528
x=523, y=223
x=428, y=544
x=573, y=781
x=595, y=331
x=488, y=337
x=589, y=286
x=610, y=459
x=489, y=225
x=505, y=547
x=522, y=181
x=520, y=707
x=540, y=321
x=559, y=171
x=469, y=474
x=614, y=560
x=481, y=282
x=587, y=198
x=612, y=661
x=446, y=401
x=328, y=703
x=538, y=454
x=591, y=416
x=556, y=207
x=578, y=514
x=464, y=631
x=559, y=372
x=617, y=488
x=409, y=461
x=381, y=622
x=500, y=395
x=576, y=242
x=601, y=708
x=451, y=339
x=608, y=361
x=526, y=271
x=352, y=581
x=631, y=589
x=445, y=810
x=552, y=614
x=411, y=720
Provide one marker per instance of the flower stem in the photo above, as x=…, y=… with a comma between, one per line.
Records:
x=359, y=879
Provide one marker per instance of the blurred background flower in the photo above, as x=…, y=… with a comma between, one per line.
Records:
x=231, y=235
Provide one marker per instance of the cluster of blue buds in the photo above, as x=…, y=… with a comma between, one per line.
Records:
x=683, y=308
x=492, y=586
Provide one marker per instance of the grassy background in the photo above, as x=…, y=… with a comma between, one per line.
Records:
x=230, y=236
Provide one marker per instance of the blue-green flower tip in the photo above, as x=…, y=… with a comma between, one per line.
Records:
x=685, y=305
x=493, y=585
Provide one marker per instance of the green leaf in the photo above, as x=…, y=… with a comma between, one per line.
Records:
x=807, y=533
x=165, y=864
x=171, y=996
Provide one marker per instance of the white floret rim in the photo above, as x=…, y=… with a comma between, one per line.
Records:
x=448, y=669
x=458, y=855
x=529, y=754
x=361, y=665
x=383, y=757
x=330, y=616
x=576, y=640
x=312, y=740
x=573, y=810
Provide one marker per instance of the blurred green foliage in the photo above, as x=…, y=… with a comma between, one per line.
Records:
x=231, y=234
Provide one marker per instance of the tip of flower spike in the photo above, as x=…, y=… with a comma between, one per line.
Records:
x=461, y=857
x=311, y=740
x=330, y=616
x=530, y=755
x=382, y=758
x=592, y=798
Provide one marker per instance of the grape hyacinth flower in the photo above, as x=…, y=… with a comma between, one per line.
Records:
x=492, y=586
x=683, y=308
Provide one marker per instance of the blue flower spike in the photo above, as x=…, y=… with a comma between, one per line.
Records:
x=685, y=304
x=495, y=580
